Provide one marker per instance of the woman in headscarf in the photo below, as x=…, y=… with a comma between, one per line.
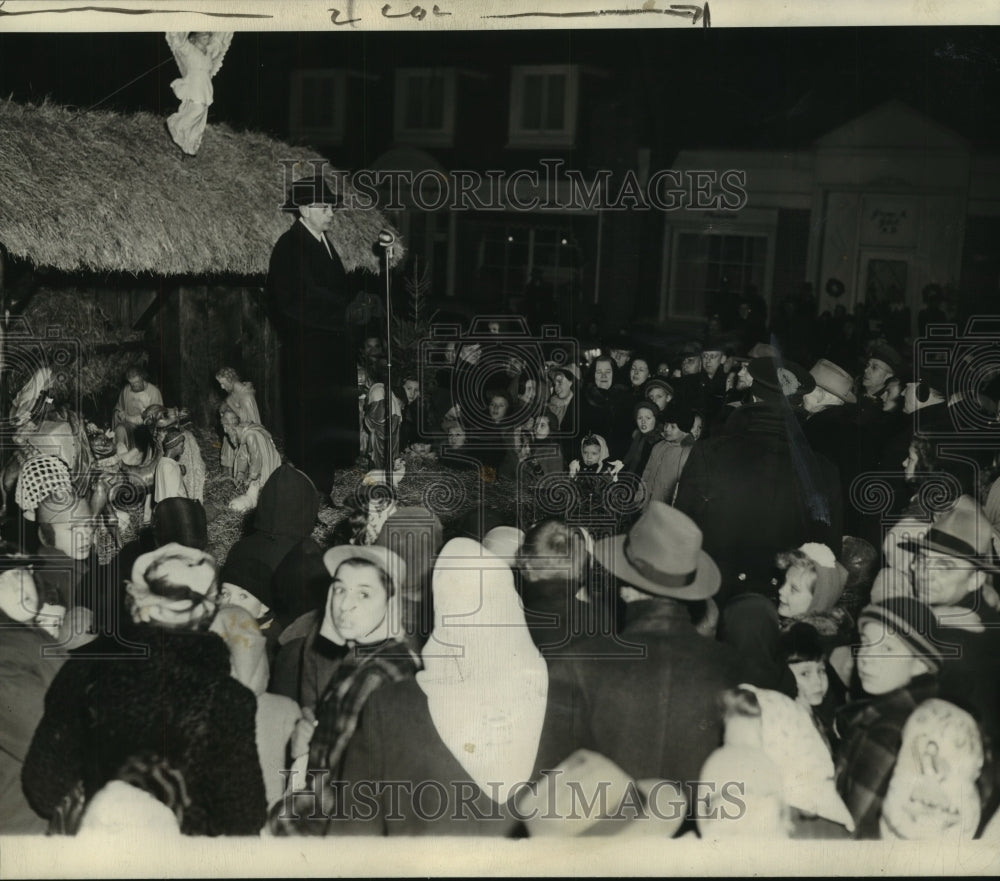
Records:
x=460, y=741
x=363, y=614
x=179, y=702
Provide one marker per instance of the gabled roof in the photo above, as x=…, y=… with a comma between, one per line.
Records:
x=892, y=124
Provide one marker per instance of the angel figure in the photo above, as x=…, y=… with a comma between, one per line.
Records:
x=199, y=56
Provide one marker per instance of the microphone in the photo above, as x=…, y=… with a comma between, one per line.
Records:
x=386, y=238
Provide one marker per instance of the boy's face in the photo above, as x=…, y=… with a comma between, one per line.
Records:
x=411, y=388
x=542, y=428
x=672, y=434
x=658, y=396
x=456, y=436
x=590, y=454
x=942, y=580
x=812, y=681
x=885, y=662
x=796, y=593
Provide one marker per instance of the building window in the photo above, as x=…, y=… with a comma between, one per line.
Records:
x=708, y=265
x=543, y=103
x=317, y=104
x=508, y=254
x=425, y=106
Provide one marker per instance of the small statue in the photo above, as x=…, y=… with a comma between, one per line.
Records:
x=199, y=56
x=374, y=422
x=137, y=394
x=256, y=458
x=160, y=420
x=242, y=400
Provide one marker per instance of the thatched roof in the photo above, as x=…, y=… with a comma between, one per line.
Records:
x=111, y=192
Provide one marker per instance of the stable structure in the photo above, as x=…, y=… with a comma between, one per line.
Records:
x=177, y=246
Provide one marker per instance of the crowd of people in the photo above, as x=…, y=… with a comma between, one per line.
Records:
x=750, y=648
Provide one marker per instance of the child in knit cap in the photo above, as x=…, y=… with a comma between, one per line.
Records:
x=898, y=664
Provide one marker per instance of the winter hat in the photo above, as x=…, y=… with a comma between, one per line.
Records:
x=831, y=577
x=181, y=520
x=174, y=587
x=885, y=353
x=249, y=573
x=659, y=383
x=682, y=417
x=912, y=622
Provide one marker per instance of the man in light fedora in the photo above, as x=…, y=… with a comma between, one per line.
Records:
x=307, y=293
x=660, y=679
x=833, y=388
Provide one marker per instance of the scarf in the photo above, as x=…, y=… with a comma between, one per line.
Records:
x=486, y=683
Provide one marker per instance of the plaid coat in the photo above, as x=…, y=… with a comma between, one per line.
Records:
x=871, y=733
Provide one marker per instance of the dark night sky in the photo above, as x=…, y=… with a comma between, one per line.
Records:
x=767, y=87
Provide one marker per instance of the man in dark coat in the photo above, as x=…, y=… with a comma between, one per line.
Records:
x=307, y=290
x=649, y=699
x=759, y=488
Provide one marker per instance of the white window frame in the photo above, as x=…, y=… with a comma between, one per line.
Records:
x=425, y=137
x=563, y=137
x=675, y=232
x=333, y=133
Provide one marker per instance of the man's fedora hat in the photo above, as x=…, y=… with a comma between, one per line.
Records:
x=963, y=532
x=661, y=555
x=310, y=191
x=833, y=379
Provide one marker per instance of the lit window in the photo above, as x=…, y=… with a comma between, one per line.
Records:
x=543, y=105
x=425, y=106
x=317, y=103
x=507, y=255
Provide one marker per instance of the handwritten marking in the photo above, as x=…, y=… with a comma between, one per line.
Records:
x=417, y=12
x=696, y=13
x=335, y=15
x=129, y=11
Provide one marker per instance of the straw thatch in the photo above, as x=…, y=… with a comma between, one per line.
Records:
x=110, y=192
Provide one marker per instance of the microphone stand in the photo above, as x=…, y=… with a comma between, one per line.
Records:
x=386, y=240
